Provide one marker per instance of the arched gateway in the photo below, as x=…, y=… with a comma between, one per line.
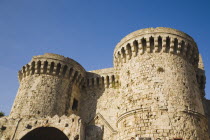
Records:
x=45, y=133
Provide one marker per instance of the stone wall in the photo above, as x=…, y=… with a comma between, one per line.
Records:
x=15, y=129
x=99, y=103
x=155, y=91
x=160, y=99
x=49, y=85
x=42, y=95
x=159, y=89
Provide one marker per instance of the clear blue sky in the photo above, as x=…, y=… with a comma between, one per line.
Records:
x=88, y=31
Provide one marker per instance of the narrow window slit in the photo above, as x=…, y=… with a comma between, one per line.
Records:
x=107, y=81
x=52, y=67
x=151, y=40
x=32, y=67
x=160, y=43
x=58, y=68
x=45, y=67
x=64, y=70
x=144, y=44
x=113, y=81
x=38, y=67
x=75, y=76
x=123, y=54
x=167, y=44
x=136, y=46
x=175, y=45
x=128, y=47
x=102, y=80
x=70, y=72
x=75, y=105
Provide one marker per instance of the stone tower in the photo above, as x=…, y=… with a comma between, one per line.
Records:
x=49, y=86
x=159, y=90
x=155, y=91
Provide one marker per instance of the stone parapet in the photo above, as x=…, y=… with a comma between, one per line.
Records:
x=156, y=40
x=154, y=91
x=49, y=84
x=106, y=78
x=55, y=65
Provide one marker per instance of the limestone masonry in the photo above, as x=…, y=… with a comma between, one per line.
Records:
x=155, y=91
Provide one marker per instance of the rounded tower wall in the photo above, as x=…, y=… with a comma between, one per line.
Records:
x=158, y=85
x=46, y=87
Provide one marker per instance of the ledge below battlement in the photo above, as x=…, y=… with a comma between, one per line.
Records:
x=106, y=71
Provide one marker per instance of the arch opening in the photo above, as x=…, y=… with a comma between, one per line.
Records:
x=45, y=133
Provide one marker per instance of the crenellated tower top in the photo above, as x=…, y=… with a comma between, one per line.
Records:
x=156, y=40
x=53, y=64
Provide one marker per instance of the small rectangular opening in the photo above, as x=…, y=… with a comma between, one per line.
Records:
x=75, y=105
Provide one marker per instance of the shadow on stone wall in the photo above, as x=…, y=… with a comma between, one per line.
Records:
x=94, y=132
x=90, y=95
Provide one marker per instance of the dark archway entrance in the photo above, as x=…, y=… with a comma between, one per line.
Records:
x=45, y=133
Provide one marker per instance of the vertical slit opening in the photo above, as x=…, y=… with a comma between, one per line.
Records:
x=45, y=67
x=128, y=47
x=75, y=76
x=151, y=41
x=167, y=44
x=52, y=67
x=144, y=44
x=24, y=71
x=136, y=46
x=70, y=72
x=160, y=43
x=102, y=80
x=113, y=81
x=175, y=45
x=38, y=67
x=123, y=53
x=107, y=81
x=32, y=67
x=75, y=105
x=58, y=68
x=182, y=47
x=28, y=69
x=64, y=70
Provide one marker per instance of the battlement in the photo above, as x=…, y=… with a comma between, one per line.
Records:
x=156, y=90
x=102, y=78
x=56, y=65
x=156, y=40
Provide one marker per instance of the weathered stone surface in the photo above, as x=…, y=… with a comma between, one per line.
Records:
x=155, y=91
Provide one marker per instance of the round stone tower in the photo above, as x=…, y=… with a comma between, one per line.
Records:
x=49, y=85
x=159, y=92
